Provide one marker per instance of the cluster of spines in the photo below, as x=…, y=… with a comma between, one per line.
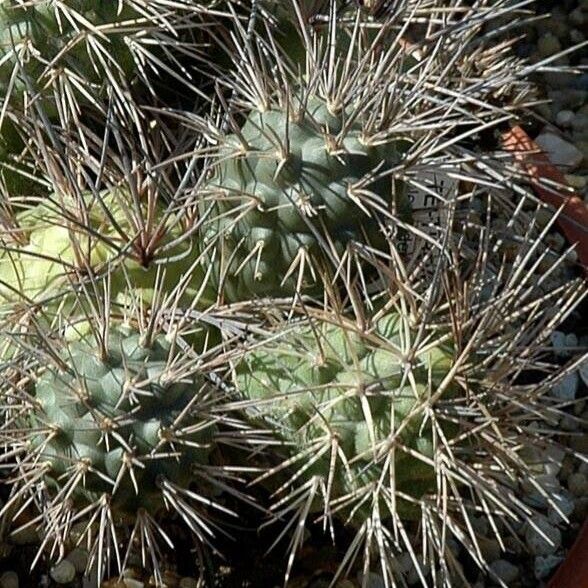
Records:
x=474, y=428
x=435, y=102
x=114, y=429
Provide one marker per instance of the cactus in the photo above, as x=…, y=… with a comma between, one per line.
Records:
x=312, y=165
x=392, y=419
x=61, y=240
x=65, y=63
x=122, y=427
x=397, y=407
x=306, y=176
x=324, y=379
x=86, y=44
x=295, y=175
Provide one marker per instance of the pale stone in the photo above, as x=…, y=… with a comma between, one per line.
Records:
x=506, y=571
x=544, y=565
x=64, y=572
x=565, y=503
x=79, y=558
x=546, y=542
x=9, y=580
x=564, y=118
x=567, y=387
x=583, y=371
x=560, y=152
x=554, y=457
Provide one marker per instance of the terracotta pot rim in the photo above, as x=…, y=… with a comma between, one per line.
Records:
x=551, y=186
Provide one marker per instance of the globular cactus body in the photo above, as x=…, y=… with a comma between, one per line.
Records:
x=100, y=412
x=56, y=244
x=123, y=433
x=86, y=44
x=323, y=380
x=291, y=185
x=43, y=36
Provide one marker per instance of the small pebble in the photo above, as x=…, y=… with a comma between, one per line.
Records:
x=544, y=565
x=64, y=572
x=453, y=546
x=26, y=536
x=548, y=44
x=490, y=548
x=578, y=485
x=561, y=152
x=79, y=558
x=577, y=36
x=375, y=581
x=545, y=543
x=9, y=580
x=480, y=525
x=564, y=118
x=554, y=457
x=568, y=467
x=583, y=371
x=558, y=342
x=569, y=98
x=555, y=241
x=569, y=423
x=514, y=545
x=580, y=125
x=576, y=17
x=565, y=503
x=506, y=571
x=567, y=387
x=581, y=82
x=404, y=562
x=548, y=483
x=572, y=338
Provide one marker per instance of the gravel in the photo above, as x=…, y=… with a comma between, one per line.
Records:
x=64, y=572
x=9, y=580
x=505, y=571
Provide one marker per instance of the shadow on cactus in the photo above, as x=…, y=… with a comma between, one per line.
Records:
x=77, y=62
x=80, y=47
x=119, y=433
x=406, y=426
